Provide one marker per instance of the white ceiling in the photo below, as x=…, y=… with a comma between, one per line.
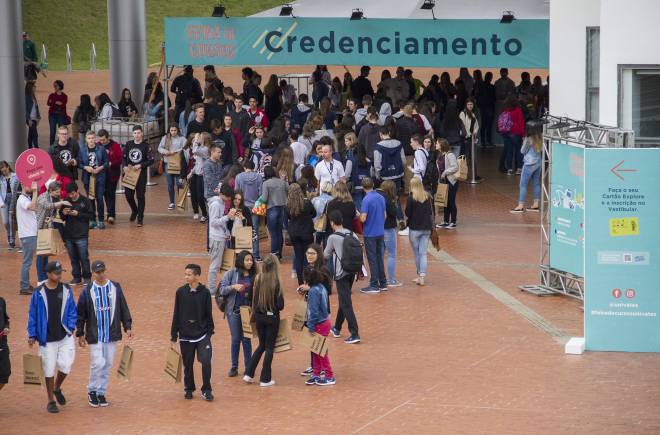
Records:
x=448, y=9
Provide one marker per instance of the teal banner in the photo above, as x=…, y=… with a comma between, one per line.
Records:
x=340, y=41
x=567, y=208
x=622, y=250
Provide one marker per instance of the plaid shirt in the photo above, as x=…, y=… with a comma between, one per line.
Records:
x=45, y=209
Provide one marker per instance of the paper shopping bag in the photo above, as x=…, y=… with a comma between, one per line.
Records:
x=249, y=327
x=174, y=164
x=173, y=364
x=91, y=192
x=283, y=339
x=181, y=202
x=49, y=242
x=33, y=372
x=316, y=343
x=321, y=222
x=130, y=178
x=440, y=198
x=125, y=364
x=228, y=259
x=299, y=315
x=243, y=239
x=462, y=174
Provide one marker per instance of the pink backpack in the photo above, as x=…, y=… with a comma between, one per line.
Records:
x=504, y=122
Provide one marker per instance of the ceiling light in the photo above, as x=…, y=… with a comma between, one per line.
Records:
x=357, y=14
x=507, y=17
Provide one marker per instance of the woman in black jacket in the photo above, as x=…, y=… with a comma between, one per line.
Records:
x=419, y=211
x=301, y=227
x=343, y=202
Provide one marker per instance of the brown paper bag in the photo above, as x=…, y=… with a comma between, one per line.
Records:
x=33, y=372
x=130, y=178
x=173, y=364
x=174, y=164
x=283, y=339
x=125, y=364
x=249, y=328
x=91, y=193
x=243, y=239
x=299, y=315
x=228, y=259
x=462, y=174
x=320, y=224
x=181, y=202
x=49, y=242
x=315, y=342
x=440, y=199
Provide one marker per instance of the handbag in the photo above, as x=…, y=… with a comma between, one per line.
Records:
x=462, y=173
x=322, y=221
x=357, y=225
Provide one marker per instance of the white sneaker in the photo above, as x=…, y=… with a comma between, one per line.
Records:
x=293, y=274
x=248, y=380
x=404, y=232
x=171, y=206
x=267, y=384
x=195, y=216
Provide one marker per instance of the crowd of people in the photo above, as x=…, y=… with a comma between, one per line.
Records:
x=338, y=175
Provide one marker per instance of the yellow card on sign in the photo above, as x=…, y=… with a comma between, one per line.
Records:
x=624, y=227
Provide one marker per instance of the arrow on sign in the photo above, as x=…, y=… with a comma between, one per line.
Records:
x=615, y=170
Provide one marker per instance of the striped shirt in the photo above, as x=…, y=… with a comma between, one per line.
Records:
x=101, y=295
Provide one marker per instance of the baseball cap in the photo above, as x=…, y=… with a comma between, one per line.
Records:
x=98, y=266
x=54, y=266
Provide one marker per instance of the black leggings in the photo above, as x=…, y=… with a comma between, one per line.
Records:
x=197, y=194
x=450, y=209
x=267, y=327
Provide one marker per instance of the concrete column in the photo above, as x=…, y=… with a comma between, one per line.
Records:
x=13, y=130
x=127, y=36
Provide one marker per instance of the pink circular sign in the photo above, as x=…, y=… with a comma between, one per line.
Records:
x=34, y=165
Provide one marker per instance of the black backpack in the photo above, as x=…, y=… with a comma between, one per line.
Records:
x=351, y=260
x=390, y=161
x=116, y=113
x=431, y=175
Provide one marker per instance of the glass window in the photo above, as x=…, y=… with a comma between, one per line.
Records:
x=593, y=73
x=640, y=102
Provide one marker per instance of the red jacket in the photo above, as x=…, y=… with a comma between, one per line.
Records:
x=114, y=157
x=518, y=128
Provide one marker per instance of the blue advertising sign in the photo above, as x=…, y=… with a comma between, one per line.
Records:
x=340, y=41
x=567, y=208
x=622, y=250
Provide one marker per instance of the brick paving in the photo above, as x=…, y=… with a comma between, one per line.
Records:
x=445, y=358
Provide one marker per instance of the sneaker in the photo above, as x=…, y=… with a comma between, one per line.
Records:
x=188, y=395
x=313, y=380
x=202, y=219
x=101, y=226
x=25, y=291
x=307, y=372
x=353, y=339
x=451, y=226
x=533, y=209
x=404, y=232
x=233, y=372
x=20, y=250
x=370, y=290
x=140, y=223
x=92, y=399
x=102, y=402
x=171, y=206
x=133, y=216
x=207, y=395
x=516, y=210
x=196, y=216
x=322, y=382
x=87, y=281
x=10, y=248
x=92, y=225
x=394, y=283
x=248, y=380
x=59, y=397
x=111, y=220
x=518, y=171
x=509, y=172
x=335, y=332
x=441, y=225
x=52, y=407
x=267, y=384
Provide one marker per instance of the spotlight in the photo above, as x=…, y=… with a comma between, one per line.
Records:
x=507, y=17
x=429, y=5
x=357, y=14
x=219, y=11
x=286, y=11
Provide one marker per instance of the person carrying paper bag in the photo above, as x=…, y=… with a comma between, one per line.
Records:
x=170, y=148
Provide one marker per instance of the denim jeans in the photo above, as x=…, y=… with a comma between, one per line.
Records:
x=29, y=245
x=42, y=261
x=419, y=240
x=275, y=220
x=398, y=182
x=512, y=144
x=33, y=135
x=101, y=356
x=79, y=256
x=9, y=225
x=375, y=250
x=171, y=184
x=390, y=248
x=97, y=204
x=237, y=337
x=530, y=172
x=54, y=121
x=255, y=234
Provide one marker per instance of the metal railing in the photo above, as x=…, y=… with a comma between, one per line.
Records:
x=69, y=66
x=92, y=58
x=44, y=57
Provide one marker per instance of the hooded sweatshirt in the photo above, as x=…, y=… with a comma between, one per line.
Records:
x=249, y=182
x=368, y=138
x=378, y=159
x=360, y=114
x=299, y=115
x=384, y=112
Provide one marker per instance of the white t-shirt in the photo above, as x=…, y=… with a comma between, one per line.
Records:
x=299, y=152
x=27, y=219
x=329, y=171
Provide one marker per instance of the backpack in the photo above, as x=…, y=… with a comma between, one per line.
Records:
x=116, y=113
x=504, y=122
x=431, y=174
x=390, y=161
x=351, y=260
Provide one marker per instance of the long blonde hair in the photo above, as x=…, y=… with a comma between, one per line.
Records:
x=537, y=141
x=340, y=191
x=417, y=190
x=267, y=283
x=286, y=164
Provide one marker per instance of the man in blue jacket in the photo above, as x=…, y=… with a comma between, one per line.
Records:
x=102, y=309
x=51, y=322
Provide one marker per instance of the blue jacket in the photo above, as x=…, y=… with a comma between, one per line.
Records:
x=101, y=160
x=317, y=306
x=229, y=279
x=37, y=327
